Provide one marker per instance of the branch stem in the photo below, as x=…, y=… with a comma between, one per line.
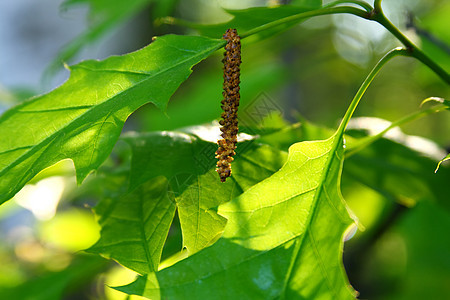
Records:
x=391, y=54
x=377, y=6
x=364, y=142
x=318, y=12
x=379, y=17
x=376, y=14
x=362, y=4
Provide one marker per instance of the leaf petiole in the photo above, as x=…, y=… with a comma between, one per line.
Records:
x=379, y=17
x=391, y=54
x=308, y=14
x=367, y=141
x=377, y=5
x=362, y=4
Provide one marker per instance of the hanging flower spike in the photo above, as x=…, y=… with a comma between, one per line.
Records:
x=230, y=103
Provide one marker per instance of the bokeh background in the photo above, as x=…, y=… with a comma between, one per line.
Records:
x=311, y=71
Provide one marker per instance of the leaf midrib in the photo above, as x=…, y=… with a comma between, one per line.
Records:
x=327, y=168
x=94, y=108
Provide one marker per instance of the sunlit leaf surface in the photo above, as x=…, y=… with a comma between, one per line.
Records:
x=82, y=119
x=135, y=226
x=283, y=238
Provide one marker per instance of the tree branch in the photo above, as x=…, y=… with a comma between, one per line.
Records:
x=305, y=15
x=391, y=54
x=365, y=142
x=377, y=6
x=426, y=34
x=362, y=4
x=379, y=16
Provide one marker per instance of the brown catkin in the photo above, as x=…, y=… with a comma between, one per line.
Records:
x=230, y=103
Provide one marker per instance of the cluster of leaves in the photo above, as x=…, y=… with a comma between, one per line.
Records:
x=275, y=229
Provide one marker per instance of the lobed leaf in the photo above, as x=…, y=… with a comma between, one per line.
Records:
x=82, y=119
x=188, y=163
x=283, y=238
x=135, y=226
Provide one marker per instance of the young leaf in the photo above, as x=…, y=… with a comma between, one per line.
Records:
x=311, y=3
x=283, y=239
x=82, y=119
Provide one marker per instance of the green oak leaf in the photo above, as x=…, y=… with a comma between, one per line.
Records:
x=175, y=170
x=283, y=238
x=82, y=119
x=188, y=163
x=200, y=223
